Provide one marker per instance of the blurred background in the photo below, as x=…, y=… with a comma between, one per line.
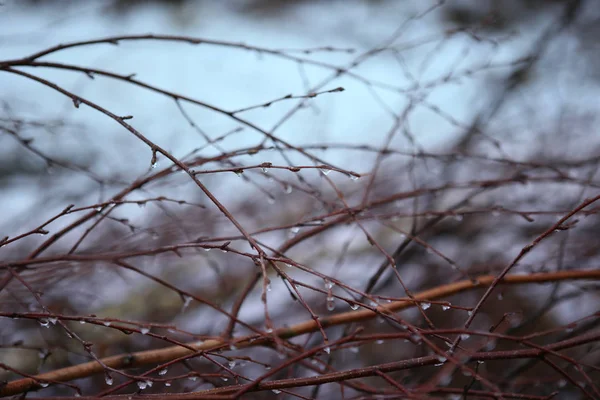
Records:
x=438, y=96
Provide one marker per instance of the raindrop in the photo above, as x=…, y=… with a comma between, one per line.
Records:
x=76, y=102
x=373, y=303
x=289, y=265
x=442, y=359
x=380, y=341
x=44, y=384
x=445, y=307
x=207, y=249
x=330, y=304
x=44, y=323
x=269, y=330
x=287, y=189
x=53, y=320
x=224, y=379
x=458, y=217
x=239, y=172
x=415, y=338
x=144, y=330
x=231, y=364
x=325, y=171
x=354, y=177
x=142, y=385
x=154, y=165
x=167, y=383
x=294, y=229
x=186, y=301
x=353, y=349
x=327, y=350
x=328, y=284
x=500, y=296
x=276, y=391
x=465, y=336
x=271, y=200
x=193, y=378
x=265, y=169
x=106, y=323
x=480, y=361
x=108, y=379
x=470, y=312
x=268, y=287
x=232, y=347
x=495, y=213
x=354, y=306
x=162, y=372
x=425, y=306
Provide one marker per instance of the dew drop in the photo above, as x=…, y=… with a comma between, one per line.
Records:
x=327, y=350
x=193, y=378
x=44, y=323
x=445, y=307
x=458, y=217
x=142, y=385
x=224, y=379
x=328, y=284
x=44, y=384
x=231, y=364
x=271, y=200
x=154, y=165
x=470, y=313
x=53, y=320
x=106, y=323
x=380, y=341
x=163, y=372
x=269, y=330
x=287, y=189
x=265, y=169
x=325, y=171
x=465, y=336
x=108, y=379
x=76, y=102
x=294, y=229
x=168, y=383
x=232, y=347
x=500, y=296
x=354, y=306
x=354, y=177
x=239, y=172
x=441, y=359
x=425, y=306
x=268, y=287
x=276, y=391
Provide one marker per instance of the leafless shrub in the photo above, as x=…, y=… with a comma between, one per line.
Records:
x=462, y=270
